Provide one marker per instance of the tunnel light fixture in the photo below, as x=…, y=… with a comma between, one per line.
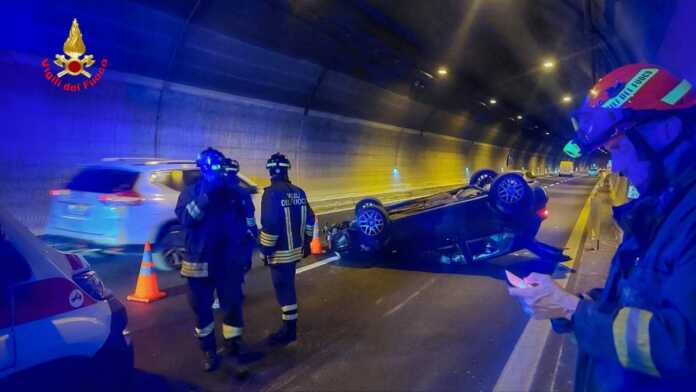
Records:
x=519, y=117
x=567, y=98
x=548, y=65
x=547, y=133
x=442, y=71
x=493, y=101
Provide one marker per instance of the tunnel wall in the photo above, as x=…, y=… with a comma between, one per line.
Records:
x=53, y=132
x=343, y=135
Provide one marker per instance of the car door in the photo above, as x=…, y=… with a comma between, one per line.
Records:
x=15, y=270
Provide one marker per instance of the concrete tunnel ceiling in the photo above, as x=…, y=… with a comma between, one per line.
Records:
x=491, y=49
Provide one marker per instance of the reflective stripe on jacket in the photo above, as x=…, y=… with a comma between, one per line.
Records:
x=285, y=217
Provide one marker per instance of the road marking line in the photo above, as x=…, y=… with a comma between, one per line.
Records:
x=318, y=264
x=521, y=367
x=82, y=251
x=410, y=297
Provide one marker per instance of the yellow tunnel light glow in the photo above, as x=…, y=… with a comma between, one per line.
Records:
x=548, y=65
x=442, y=71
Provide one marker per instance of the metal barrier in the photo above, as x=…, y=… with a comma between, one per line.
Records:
x=615, y=187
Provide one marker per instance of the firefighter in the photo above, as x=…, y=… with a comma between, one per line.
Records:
x=213, y=217
x=638, y=333
x=287, y=222
x=231, y=167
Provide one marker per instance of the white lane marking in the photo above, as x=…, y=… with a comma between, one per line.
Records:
x=81, y=251
x=410, y=297
x=318, y=264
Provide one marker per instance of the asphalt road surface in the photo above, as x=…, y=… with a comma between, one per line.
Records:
x=401, y=325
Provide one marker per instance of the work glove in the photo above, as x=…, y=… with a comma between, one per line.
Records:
x=542, y=298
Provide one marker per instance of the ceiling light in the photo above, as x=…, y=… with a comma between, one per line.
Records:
x=548, y=65
x=567, y=99
x=492, y=101
x=547, y=133
x=442, y=71
x=519, y=117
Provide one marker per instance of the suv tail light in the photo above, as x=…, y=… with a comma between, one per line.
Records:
x=543, y=213
x=59, y=192
x=128, y=197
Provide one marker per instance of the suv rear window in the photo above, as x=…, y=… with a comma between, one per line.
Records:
x=176, y=179
x=100, y=180
x=180, y=179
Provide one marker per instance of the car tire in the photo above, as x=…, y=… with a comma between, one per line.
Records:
x=482, y=178
x=372, y=222
x=367, y=202
x=510, y=193
x=169, y=250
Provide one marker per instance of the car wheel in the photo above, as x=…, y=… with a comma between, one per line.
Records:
x=482, y=178
x=367, y=202
x=170, y=250
x=510, y=193
x=373, y=225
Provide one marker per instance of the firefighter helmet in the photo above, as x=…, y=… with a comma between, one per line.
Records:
x=231, y=166
x=210, y=161
x=624, y=98
x=278, y=164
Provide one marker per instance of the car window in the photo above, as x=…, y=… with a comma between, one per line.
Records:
x=176, y=179
x=103, y=180
x=191, y=176
x=15, y=268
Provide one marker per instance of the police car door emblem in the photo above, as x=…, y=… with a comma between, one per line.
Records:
x=76, y=298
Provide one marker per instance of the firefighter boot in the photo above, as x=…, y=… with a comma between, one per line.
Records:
x=235, y=347
x=211, y=361
x=286, y=334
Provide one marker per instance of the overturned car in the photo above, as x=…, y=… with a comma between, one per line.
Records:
x=492, y=216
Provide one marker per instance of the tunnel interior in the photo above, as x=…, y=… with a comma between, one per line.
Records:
x=349, y=90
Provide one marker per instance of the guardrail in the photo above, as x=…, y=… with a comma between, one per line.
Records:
x=617, y=189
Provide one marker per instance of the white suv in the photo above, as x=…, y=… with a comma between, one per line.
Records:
x=128, y=201
x=56, y=318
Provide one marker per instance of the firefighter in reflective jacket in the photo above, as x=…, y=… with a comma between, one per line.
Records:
x=231, y=167
x=213, y=215
x=637, y=333
x=286, y=230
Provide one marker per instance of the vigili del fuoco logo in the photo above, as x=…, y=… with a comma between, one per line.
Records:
x=75, y=72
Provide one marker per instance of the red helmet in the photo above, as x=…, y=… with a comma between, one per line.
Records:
x=624, y=98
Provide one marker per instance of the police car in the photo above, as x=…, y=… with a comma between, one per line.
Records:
x=60, y=328
x=128, y=201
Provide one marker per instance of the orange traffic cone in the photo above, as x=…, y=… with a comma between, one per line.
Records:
x=315, y=245
x=147, y=289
